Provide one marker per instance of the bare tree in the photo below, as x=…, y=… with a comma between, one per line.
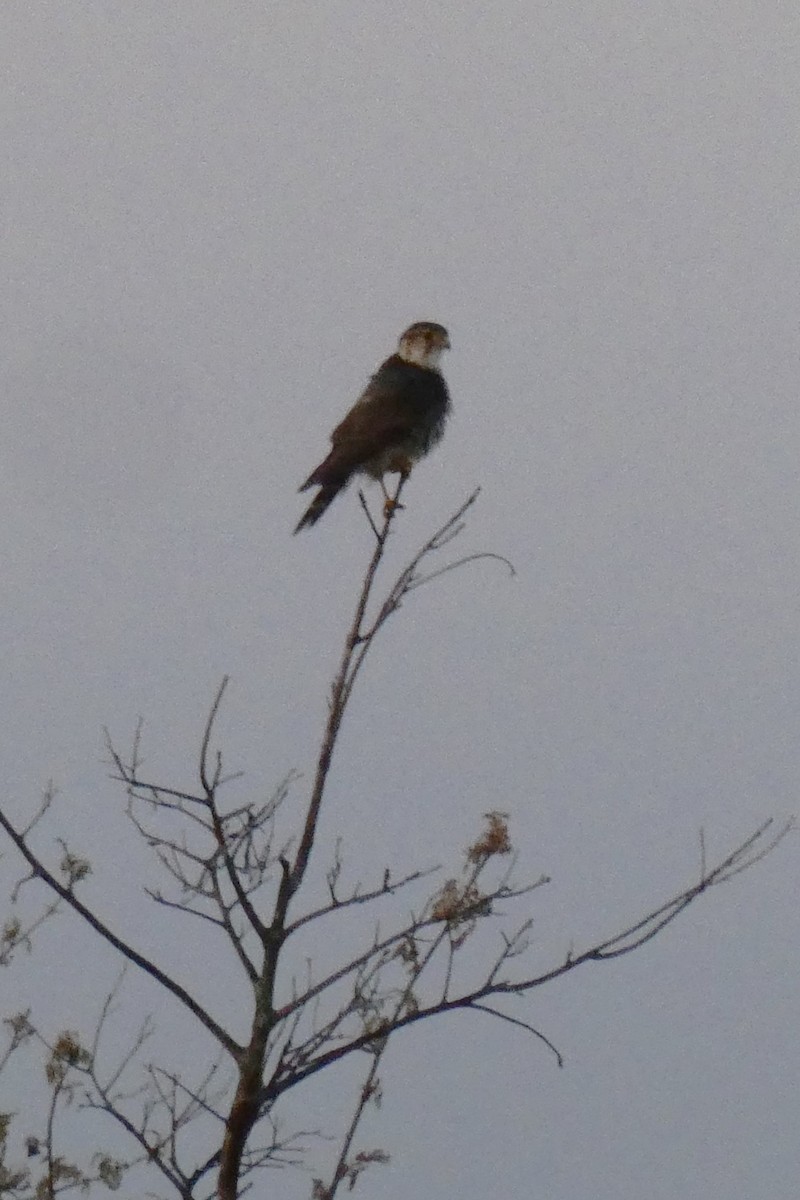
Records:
x=227, y=867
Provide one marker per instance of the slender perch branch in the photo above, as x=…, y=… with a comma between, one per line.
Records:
x=338, y=702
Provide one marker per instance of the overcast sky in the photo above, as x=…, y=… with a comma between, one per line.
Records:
x=217, y=220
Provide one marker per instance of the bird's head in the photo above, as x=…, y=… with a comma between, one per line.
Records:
x=423, y=344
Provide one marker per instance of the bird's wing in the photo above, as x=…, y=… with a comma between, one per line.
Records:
x=381, y=418
x=384, y=413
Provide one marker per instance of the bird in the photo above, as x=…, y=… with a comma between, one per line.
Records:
x=396, y=420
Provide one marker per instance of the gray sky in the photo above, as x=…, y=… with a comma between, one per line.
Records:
x=217, y=220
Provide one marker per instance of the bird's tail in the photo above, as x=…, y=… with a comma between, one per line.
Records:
x=324, y=497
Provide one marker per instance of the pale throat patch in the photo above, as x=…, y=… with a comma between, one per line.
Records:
x=419, y=352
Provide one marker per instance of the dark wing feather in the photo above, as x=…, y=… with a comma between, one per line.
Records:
x=402, y=406
x=400, y=402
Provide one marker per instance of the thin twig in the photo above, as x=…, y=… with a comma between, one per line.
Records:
x=388, y=888
x=495, y=1012
x=363, y=501
x=461, y=562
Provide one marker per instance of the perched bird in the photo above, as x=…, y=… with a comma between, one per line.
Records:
x=398, y=418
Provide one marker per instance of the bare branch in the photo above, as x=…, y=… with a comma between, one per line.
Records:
x=495, y=1012
x=339, y=694
x=461, y=562
x=363, y=502
x=388, y=888
x=39, y=870
x=749, y=852
x=209, y=787
x=344, y=1170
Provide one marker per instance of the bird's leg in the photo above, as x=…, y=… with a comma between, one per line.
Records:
x=402, y=464
x=390, y=505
